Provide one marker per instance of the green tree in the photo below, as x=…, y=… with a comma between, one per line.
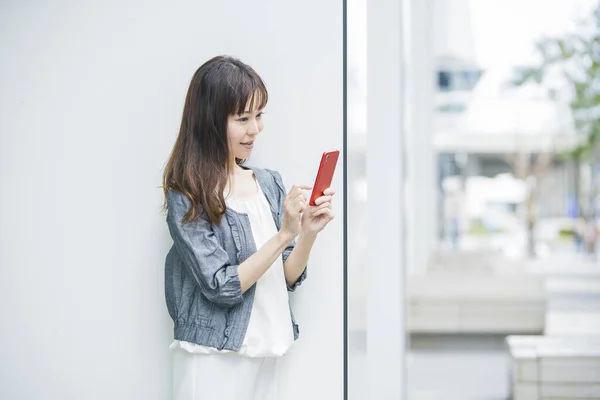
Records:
x=569, y=68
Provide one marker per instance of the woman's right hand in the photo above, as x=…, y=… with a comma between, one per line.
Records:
x=293, y=206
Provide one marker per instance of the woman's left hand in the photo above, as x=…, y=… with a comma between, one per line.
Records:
x=315, y=218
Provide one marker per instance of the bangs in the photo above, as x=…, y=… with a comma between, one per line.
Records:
x=248, y=92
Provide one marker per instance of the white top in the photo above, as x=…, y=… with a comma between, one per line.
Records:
x=270, y=332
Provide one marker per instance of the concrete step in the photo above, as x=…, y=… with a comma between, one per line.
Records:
x=466, y=303
x=555, y=367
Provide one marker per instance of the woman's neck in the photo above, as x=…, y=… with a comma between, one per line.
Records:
x=236, y=169
x=241, y=182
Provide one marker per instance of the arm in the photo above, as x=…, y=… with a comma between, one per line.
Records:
x=292, y=206
x=295, y=269
x=314, y=220
x=295, y=264
x=257, y=264
x=205, y=260
x=208, y=263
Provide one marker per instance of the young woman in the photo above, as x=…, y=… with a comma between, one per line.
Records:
x=240, y=242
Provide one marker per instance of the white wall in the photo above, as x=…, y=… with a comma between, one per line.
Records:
x=421, y=179
x=386, y=209
x=90, y=100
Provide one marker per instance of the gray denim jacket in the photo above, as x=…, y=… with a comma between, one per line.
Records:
x=202, y=286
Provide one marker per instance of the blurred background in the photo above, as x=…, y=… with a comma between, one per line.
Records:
x=501, y=130
x=464, y=262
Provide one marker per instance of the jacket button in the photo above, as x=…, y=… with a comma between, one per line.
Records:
x=227, y=330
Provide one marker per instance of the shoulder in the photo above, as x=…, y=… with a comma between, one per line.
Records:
x=175, y=198
x=178, y=203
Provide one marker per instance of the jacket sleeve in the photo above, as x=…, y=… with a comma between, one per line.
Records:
x=290, y=247
x=206, y=261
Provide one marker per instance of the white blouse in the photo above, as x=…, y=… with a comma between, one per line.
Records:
x=269, y=331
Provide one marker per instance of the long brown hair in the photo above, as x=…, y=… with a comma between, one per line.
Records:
x=199, y=164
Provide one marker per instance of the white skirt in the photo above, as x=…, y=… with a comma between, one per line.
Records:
x=228, y=376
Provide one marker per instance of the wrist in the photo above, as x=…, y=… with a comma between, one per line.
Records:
x=308, y=235
x=286, y=236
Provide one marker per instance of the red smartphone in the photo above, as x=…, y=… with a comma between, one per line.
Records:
x=324, y=175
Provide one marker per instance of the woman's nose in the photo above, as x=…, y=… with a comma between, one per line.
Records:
x=253, y=129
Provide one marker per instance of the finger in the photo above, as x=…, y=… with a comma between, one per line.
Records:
x=323, y=199
x=302, y=208
x=330, y=215
x=298, y=200
x=294, y=194
x=300, y=205
x=324, y=205
x=325, y=212
x=299, y=187
x=318, y=209
x=329, y=192
x=300, y=196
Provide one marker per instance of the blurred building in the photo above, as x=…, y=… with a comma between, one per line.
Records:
x=480, y=119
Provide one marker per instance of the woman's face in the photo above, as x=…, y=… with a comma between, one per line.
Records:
x=242, y=131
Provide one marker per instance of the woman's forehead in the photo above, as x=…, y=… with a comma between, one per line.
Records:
x=255, y=102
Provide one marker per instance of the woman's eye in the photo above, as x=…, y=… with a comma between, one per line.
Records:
x=260, y=114
x=244, y=119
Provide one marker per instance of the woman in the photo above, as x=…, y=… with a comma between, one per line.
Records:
x=240, y=242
